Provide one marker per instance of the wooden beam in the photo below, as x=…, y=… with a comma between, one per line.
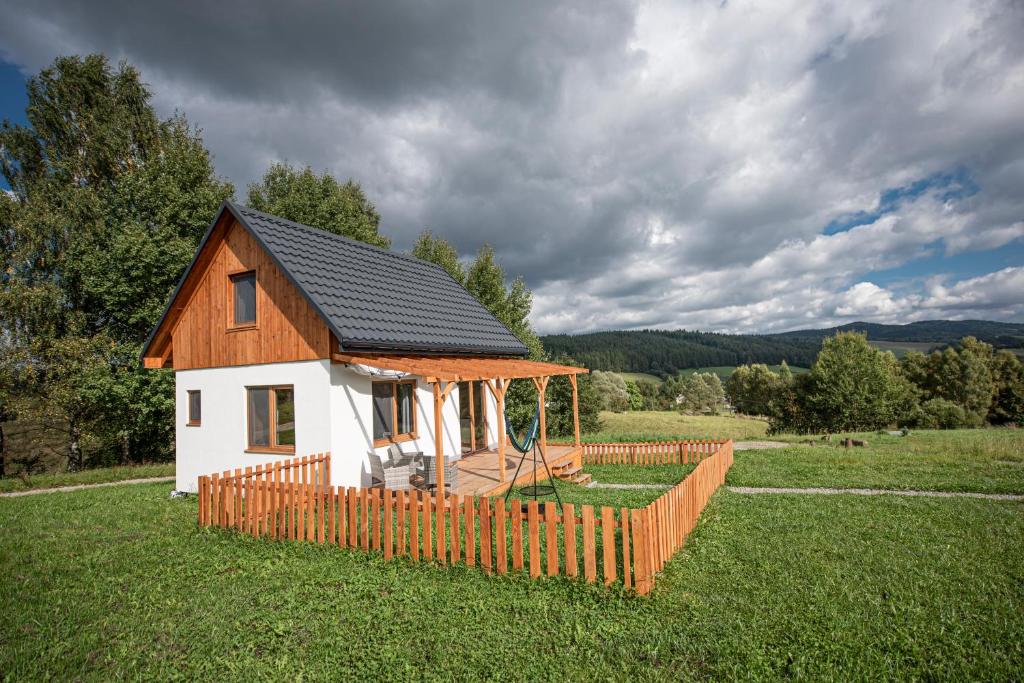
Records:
x=542, y=384
x=439, y=398
x=575, y=410
x=472, y=419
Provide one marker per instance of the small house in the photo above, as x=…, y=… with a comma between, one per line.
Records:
x=286, y=340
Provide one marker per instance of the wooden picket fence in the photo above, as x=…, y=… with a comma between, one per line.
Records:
x=292, y=500
x=647, y=452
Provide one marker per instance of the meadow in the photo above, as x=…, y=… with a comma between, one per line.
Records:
x=648, y=425
x=120, y=583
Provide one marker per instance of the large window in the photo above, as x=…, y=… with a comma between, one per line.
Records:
x=271, y=419
x=243, y=295
x=195, y=408
x=394, y=412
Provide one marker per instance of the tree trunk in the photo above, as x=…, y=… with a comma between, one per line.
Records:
x=75, y=449
x=3, y=451
x=125, y=451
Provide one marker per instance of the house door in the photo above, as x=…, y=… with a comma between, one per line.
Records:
x=473, y=416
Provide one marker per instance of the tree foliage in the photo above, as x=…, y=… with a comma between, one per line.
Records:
x=439, y=251
x=851, y=386
x=320, y=201
x=757, y=390
x=108, y=205
x=610, y=391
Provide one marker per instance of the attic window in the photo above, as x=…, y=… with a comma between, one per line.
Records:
x=243, y=286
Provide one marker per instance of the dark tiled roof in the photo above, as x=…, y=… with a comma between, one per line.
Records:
x=374, y=299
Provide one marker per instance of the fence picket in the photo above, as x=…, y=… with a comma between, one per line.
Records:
x=517, y=535
x=485, y=534
x=569, y=534
x=608, y=544
x=453, y=520
x=414, y=524
x=470, y=544
x=400, y=503
x=389, y=547
x=589, y=556
x=551, y=538
x=501, y=558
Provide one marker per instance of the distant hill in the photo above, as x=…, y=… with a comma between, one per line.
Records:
x=936, y=332
x=661, y=352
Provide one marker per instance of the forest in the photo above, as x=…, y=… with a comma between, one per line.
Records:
x=665, y=353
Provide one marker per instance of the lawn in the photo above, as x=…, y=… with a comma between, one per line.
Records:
x=119, y=583
x=640, y=425
x=979, y=460
x=94, y=476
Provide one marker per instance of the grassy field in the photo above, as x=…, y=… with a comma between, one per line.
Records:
x=119, y=583
x=979, y=460
x=94, y=476
x=724, y=371
x=668, y=424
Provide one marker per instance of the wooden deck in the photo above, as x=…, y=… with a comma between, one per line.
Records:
x=479, y=476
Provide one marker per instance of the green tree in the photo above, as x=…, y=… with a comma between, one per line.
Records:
x=559, y=397
x=854, y=386
x=702, y=393
x=1008, y=404
x=636, y=399
x=610, y=391
x=755, y=389
x=108, y=206
x=439, y=251
x=510, y=304
x=318, y=200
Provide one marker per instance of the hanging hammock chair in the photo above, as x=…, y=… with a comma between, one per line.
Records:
x=528, y=444
x=531, y=432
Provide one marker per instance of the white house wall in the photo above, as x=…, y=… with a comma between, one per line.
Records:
x=219, y=442
x=333, y=412
x=352, y=425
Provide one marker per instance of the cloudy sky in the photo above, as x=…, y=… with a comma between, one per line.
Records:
x=729, y=165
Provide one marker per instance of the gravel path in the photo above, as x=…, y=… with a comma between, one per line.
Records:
x=79, y=487
x=877, y=492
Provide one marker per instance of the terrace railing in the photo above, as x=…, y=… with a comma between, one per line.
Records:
x=292, y=500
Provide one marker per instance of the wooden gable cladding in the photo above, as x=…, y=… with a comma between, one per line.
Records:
x=202, y=334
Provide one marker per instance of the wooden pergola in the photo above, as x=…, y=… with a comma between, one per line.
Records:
x=445, y=372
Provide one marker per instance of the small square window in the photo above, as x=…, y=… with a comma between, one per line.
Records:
x=243, y=286
x=195, y=408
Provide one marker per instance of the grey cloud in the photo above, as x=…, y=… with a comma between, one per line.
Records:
x=640, y=164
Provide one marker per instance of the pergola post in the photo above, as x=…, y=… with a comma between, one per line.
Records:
x=440, y=396
x=498, y=389
x=542, y=384
x=575, y=410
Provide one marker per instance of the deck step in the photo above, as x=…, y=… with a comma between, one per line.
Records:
x=558, y=466
x=581, y=478
x=563, y=473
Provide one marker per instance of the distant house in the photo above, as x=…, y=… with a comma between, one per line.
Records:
x=288, y=340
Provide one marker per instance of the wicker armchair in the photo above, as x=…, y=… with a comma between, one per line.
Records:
x=451, y=471
x=390, y=474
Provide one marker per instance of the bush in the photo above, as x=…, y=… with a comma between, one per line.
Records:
x=939, y=413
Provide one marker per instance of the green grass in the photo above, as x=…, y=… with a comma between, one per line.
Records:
x=979, y=460
x=638, y=376
x=94, y=476
x=119, y=583
x=639, y=474
x=649, y=425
